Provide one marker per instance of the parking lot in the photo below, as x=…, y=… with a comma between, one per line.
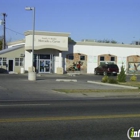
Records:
x=18, y=87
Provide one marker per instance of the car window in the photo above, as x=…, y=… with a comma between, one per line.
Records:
x=112, y=66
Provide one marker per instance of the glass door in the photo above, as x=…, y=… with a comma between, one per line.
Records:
x=44, y=66
x=47, y=66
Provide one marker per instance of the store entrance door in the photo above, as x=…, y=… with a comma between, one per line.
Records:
x=10, y=66
x=44, y=66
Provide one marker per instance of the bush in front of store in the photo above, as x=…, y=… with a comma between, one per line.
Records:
x=133, y=78
x=121, y=76
x=105, y=79
x=112, y=81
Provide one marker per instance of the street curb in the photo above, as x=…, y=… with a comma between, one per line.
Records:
x=115, y=85
x=66, y=80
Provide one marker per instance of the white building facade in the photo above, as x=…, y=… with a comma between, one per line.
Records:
x=92, y=54
x=53, y=54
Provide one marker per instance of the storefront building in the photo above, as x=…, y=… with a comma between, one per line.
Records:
x=92, y=54
x=48, y=48
x=53, y=54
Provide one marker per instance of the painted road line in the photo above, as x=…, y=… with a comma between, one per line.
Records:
x=116, y=85
x=24, y=105
x=13, y=120
x=66, y=80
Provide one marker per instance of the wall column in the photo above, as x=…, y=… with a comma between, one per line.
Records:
x=60, y=68
x=60, y=59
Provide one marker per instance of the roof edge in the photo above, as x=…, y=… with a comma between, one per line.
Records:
x=29, y=32
x=107, y=44
x=16, y=42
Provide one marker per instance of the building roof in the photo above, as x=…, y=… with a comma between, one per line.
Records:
x=107, y=44
x=16, y=42
x=11, y=49
x=47, y=33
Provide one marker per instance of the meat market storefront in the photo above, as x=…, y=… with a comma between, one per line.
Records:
x=48, y=48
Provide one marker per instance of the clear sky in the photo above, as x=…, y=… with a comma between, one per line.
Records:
x=84, y=19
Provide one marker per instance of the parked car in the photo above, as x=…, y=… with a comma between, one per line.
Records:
x=107, y=69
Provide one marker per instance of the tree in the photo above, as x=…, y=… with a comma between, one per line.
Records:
x=71, y=41
x=122, y=75
x=113, y=41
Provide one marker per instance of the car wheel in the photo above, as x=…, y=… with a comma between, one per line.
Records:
x=104, y=73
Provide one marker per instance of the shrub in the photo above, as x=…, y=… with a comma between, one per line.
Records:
x=105, y=79
x=122, y=76
x=133, y=78
x=112, y=81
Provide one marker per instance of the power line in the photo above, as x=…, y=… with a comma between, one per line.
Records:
x=14, y=31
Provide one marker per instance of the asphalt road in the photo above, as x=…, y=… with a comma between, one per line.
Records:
x=82, y=77
x=107, y=119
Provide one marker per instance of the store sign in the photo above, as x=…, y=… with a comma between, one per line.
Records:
x=49, y=40
x=44, y=42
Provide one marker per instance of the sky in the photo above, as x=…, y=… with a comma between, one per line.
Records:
x=117, y=20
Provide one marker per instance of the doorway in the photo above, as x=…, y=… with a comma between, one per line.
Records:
x=10, y=66
x=44, y=66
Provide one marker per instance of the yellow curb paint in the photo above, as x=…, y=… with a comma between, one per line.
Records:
x=13, y=120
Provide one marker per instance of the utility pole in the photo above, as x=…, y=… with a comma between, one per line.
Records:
x=4, y=36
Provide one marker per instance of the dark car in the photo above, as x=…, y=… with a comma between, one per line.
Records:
x=107, y=69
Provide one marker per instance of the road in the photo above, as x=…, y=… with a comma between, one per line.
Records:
x=96, y=119
x=83, y=77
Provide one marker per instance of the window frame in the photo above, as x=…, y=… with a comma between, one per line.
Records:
x=19, y=61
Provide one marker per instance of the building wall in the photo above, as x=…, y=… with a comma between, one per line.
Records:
x=11, y=56
x=93, y=52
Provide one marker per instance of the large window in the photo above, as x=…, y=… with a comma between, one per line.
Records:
x=18, y=61
x=3, y=61
x=44, y=56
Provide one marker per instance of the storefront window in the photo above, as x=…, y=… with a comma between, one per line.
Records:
x=44, y=56
x=0, y=61
x=102, y=58
x=17, y=62
x=82, y=57
x=4, y=61
x=21, y=61
x=112, y=58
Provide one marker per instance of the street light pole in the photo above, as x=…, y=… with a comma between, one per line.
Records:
x=4, y=36
x=33, y=9
x=33, y=77
x=33, y=39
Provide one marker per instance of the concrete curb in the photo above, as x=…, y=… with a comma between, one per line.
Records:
x=115, y=85
x=66, y=80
